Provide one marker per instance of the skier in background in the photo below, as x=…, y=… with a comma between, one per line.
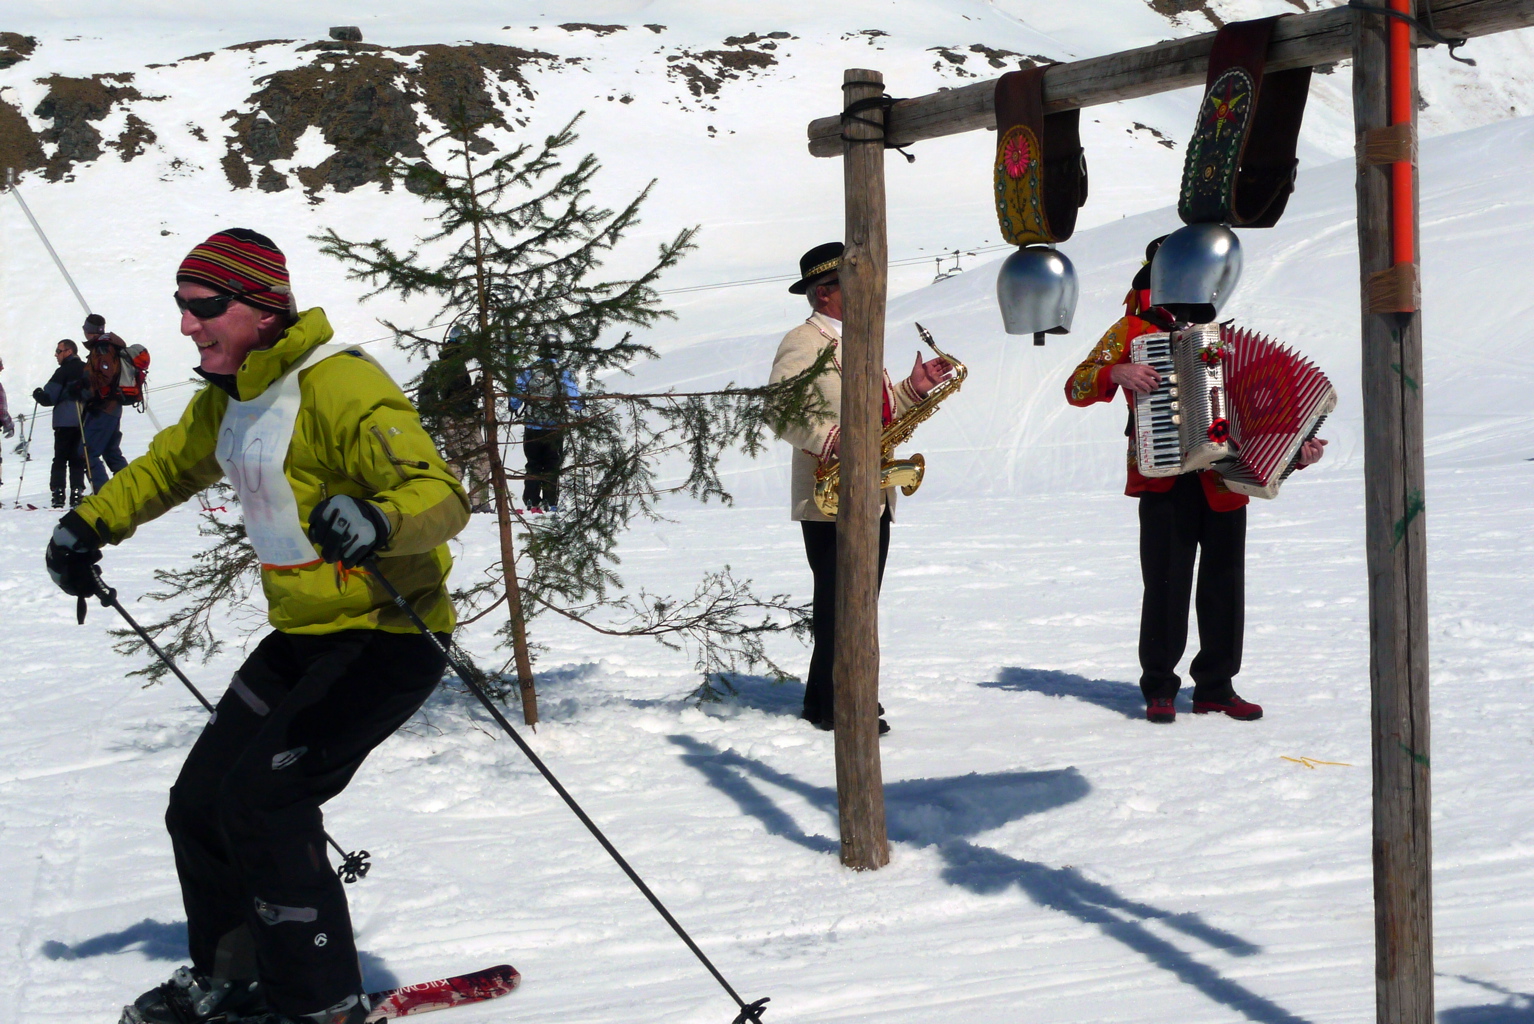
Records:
x=331, y=466
x=452, y=412
x=6, y=425
x=63, y=393
x=103, y=407
x=544, y=388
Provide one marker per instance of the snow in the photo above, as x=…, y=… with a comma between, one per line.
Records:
x=1054, y=857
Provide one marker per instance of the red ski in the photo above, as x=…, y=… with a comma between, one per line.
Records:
x=474, y=987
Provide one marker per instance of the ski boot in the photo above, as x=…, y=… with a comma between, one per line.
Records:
x=75, y=497
x=189, y=998
x=58, y=497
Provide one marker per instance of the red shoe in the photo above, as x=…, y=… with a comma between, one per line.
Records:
x=1235, y=707
x=1162, y=711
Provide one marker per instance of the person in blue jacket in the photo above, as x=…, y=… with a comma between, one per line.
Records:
x=64, y=393
x=550, y=395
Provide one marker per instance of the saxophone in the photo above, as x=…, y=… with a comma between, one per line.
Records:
x=904, y=473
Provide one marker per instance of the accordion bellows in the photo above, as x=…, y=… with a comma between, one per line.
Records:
x=1230, y=400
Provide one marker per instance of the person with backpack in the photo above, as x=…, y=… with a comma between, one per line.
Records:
x=550, y=395
x=452, y=411
x=332, y=468
x=112, y=381
x=64, y=393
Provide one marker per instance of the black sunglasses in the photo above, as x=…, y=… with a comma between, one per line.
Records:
x=211, y=307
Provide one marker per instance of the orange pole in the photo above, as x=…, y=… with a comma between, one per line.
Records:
x=1403, y=227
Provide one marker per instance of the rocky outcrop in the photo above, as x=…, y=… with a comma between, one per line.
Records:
x=706, y=71
x=71, y=104
x=955, y=58
x=15, y=48
x=19, y=149
x=366, y=102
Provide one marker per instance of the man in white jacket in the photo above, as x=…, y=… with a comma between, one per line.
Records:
x=818, y=442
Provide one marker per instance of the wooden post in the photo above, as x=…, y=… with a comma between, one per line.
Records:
x=1396, y=532
x=855, y=671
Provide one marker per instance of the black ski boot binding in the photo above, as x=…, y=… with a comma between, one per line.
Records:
x=190, y=998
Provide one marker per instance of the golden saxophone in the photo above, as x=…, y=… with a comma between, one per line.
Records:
x=904, y=473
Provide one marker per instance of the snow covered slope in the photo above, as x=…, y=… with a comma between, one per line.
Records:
x=1055, y=858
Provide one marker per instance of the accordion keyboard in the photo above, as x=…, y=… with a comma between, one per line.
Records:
x=1158, y=443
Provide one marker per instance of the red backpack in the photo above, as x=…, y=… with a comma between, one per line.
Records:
x=135, y=372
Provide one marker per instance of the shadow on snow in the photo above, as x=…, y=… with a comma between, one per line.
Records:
x=1123, y=698
x=1516, y=1008
x=160, y=940
x=944, y=813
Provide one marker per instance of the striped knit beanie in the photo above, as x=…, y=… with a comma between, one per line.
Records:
x=245, y=263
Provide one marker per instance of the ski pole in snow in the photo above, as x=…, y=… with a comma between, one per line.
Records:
x=471, y=678
x=25, y=448
x=354, y=865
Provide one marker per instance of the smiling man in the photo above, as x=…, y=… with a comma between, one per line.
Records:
x=331, y=465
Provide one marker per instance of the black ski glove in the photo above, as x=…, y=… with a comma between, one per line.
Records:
x=348, y=529
x=74, y=549
x=41, y=397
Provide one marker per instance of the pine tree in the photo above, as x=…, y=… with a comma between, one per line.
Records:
x=517, y=248
x=523, y=246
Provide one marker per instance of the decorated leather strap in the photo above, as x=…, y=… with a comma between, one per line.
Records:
x=1240, y=167
x=1041, y=171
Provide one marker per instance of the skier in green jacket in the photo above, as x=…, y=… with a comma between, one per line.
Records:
x=331, y=465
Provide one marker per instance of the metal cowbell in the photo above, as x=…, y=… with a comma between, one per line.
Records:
x=1037, y=289
x=1195, y=270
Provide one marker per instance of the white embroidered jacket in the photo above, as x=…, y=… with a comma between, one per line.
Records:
x=813, y=443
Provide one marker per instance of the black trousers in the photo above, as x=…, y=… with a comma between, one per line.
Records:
x=298, y=719
x=820, y=549
x=545, y=451
x=67, y=453
x=1174, y=527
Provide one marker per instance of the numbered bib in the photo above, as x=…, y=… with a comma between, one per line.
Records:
x=253, y=442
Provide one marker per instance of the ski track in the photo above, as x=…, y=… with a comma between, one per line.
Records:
x=1053, y=856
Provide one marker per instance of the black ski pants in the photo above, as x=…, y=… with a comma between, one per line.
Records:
x=298, y=719
x=545, y=451
x=1174, y=527
x=67, y=454
x=820, y=549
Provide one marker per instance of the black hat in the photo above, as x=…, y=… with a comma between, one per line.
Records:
x=105, y=340
x=822, y=260
x=1142, y=276
x=95, y=323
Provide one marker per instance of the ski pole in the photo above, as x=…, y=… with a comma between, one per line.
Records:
x=354, y=865
x=471, y=677
x=26, y=449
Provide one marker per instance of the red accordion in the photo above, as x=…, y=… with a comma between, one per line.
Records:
x=1230, y=400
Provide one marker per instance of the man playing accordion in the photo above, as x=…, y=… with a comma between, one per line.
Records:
x=1180, y=516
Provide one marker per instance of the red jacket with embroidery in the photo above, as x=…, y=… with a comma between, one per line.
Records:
x=1092, y=383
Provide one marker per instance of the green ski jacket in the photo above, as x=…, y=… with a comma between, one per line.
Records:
x=356, y=433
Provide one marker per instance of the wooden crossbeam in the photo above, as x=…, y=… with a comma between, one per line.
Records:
x=1303, y=40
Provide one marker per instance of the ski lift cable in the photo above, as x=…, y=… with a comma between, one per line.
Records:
x=905, y=261
x=43, y=237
